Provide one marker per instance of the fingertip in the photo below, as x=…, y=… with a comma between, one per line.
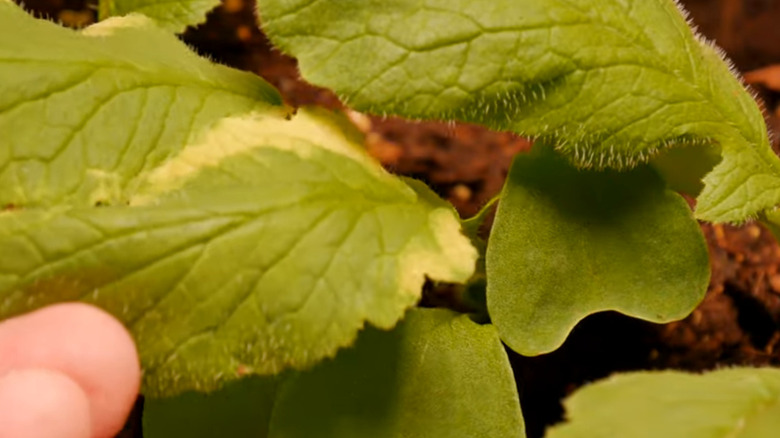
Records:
x=41, y=403
x=88, y=345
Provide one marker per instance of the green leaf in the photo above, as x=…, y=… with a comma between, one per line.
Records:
x=84, y=114
x=611, y=83
x=242, y=409
x=435, y=375
x=567, y=243
x=729, y=403
x=265, y=247
x=231, y=240
x=173, y=15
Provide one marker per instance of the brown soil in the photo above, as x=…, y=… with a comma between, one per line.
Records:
x=739, y=320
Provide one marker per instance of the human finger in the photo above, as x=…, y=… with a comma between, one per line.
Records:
x=85, y=344
x=41, y=403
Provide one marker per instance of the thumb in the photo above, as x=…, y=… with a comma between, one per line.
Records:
x=83, y=353
x=40, y=403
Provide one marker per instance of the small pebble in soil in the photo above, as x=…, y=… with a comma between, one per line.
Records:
x=753, y=231
x=387, y=152
x=232, y=6
x=461, y=192
x=360, y=120
x=244, y=33
x=774, y=283
x=76, y=19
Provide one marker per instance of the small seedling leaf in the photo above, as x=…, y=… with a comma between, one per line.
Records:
x=436, y=375
x=567, y=243
x=729, y=403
